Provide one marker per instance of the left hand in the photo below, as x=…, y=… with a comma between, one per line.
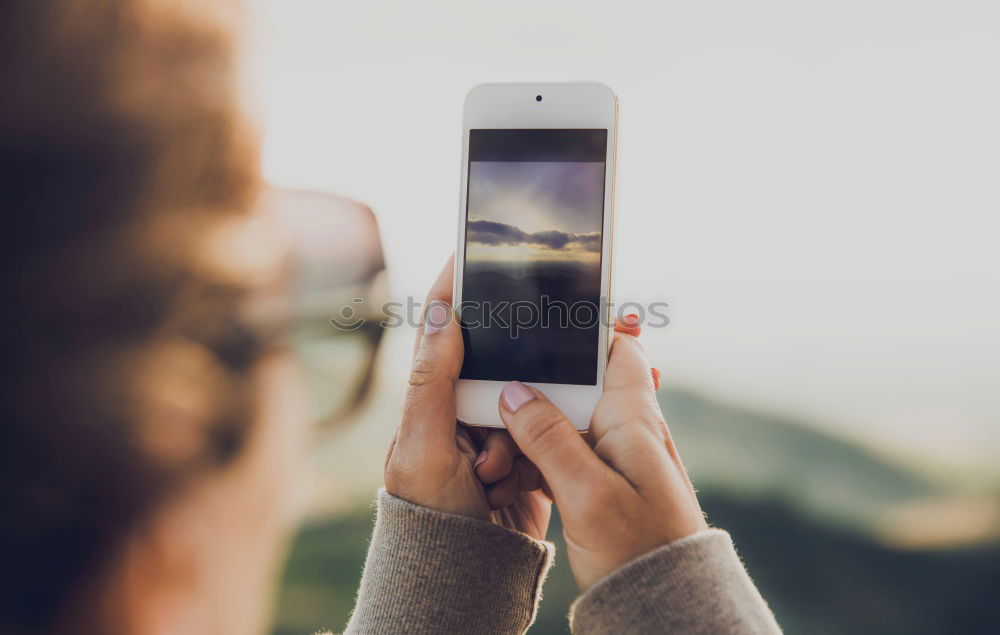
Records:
x=435, y=461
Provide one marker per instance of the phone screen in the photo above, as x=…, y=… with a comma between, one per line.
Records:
x=531, y=289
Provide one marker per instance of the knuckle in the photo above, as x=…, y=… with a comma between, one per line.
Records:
x=629, y=340
x=423, y=372
x=544, y=429
x=636, y=342
x=639, y=430
x=407, y=471
x=397, y=468
x=395, y=477
x=647, y=423
x=388, y=453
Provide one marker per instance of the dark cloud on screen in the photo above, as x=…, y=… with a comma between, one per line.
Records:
x=488, y=232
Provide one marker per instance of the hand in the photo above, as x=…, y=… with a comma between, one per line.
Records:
x=626, y=492
x=433, y=460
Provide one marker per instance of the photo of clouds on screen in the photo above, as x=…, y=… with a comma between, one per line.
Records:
x=535, y=211
x=533, y=237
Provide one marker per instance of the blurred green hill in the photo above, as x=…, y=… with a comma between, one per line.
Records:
x=804, y=509
x=752, y=454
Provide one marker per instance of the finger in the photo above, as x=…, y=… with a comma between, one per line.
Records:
x=429, y=406
x=523, y=477
x=442, y=290
x=546, y=437
x=655, y=372
x=627, y=365
x=496, y=459
x=627, y=427
x=629, y=395
x=629, y=325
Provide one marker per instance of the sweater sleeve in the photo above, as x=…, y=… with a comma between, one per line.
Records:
x=432, y=572
x=694, y=585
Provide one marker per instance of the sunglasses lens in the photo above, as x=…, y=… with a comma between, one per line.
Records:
x=335, y=369
x=336, y=292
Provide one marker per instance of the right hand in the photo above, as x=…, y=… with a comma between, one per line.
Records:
x=625, y=493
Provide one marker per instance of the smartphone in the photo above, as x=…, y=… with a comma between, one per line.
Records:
x=533, y=263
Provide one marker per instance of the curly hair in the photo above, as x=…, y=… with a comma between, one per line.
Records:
x=122, y=375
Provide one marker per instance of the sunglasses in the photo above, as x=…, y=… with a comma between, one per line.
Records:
x=327, y=306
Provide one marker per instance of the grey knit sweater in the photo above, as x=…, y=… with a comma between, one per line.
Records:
x=432, y=572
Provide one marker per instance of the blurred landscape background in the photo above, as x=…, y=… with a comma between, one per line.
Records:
x=839, y=538
x=810, y=186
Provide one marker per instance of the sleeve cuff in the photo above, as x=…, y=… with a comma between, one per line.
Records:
x=430, y=571
x=694, y=585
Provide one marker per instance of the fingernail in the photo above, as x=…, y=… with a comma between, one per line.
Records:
x=514, y=395
x=436, y=319
x=655, y=372
x=479, y=460
x=631, y=319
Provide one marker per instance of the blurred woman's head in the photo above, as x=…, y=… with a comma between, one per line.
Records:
x=133, y=436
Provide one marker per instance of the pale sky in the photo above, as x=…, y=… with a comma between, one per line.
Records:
x=813, y=187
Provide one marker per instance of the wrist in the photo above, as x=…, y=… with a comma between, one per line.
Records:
x=479, y=576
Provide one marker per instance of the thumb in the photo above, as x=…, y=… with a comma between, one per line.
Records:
x=429, y=406
x=546, y=437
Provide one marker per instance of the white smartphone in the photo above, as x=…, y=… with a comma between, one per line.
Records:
x=533, y=264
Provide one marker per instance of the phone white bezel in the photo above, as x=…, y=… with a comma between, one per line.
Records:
x=563, y=105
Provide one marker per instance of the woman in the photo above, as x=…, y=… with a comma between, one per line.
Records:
x=153, y=399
